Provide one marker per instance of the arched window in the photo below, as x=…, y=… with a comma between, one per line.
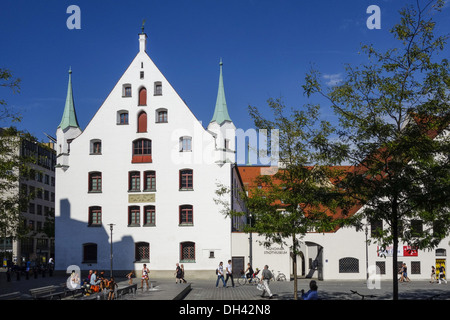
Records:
x=142, y=252
x=89, y=253
x=348, y=265
x=143, y=97
x=186, y=179
x=142, y=151
x=187, y=251
x=95, y=216
x=134, y=214
x=186, y=216
x=142, y=122
x=95, y=182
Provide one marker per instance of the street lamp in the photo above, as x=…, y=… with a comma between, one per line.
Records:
x=111, y=226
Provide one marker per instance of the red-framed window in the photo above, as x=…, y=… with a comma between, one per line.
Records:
x=95, y=216
x=134, y=214
x=142, y=151
x=149, y=180
x=186, y=179
x=134, y=181
x=186, y=216
x=149, y=215
x=95, y=182
x=187, y=251
x=143, y=97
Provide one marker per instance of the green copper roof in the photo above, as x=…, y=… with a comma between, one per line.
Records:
x=221, y=110
x=69, y=118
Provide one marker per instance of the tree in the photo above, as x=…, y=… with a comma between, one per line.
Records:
x=298, y=198
x=393, y=113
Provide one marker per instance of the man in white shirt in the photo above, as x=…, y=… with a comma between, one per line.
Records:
x=229, y=272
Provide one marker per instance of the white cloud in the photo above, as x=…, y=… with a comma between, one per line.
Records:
x=332, y=79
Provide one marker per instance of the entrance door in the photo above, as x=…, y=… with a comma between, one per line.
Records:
x=238, y=266
x=439, y=263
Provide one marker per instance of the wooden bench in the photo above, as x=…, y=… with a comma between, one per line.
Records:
x=11, y=296
x=125, y=290
x=47, y=292
x=70, y=291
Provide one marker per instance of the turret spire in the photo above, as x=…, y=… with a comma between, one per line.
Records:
x=69, y=118
x=221, y=111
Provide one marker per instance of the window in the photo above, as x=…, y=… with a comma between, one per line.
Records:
x=416, y=228
x=187, y=252
x=95, y=216
x=141, y=74
x=134, y=213
x=142, y=122
x=186, y=215
x=149, y=216
x=381, y=267
x=376, y=228
x=142, y=97
x=126, y=90
x=142, y=151
x=89, y=253
x=185, y=144
x=134, y=181
x=149, y=181
x=226, y=144
x=122, y=117
x=161, y=115
x=415, y=267
x=186, y=179
x=95, y=146
x=158, y=88
x=348, y=265
x=95, y=182
x=142, y=252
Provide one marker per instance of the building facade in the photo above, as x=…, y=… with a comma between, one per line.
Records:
x=137, y=185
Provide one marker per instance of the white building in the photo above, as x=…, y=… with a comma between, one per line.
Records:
x=146, y=167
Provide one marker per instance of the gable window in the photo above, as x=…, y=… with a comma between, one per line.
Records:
x=186, y=215
x=134, y=181
x=187, y=251
x=141, y=74
x=185, y=144
x=149, y=216
x=122, y=117
x=161, y=115
x=142, y=252
x=142, y=151
x=186, y=179
x=95, y=182
x=142, y=97
x=95, y=216
x=96, y=146
x=134, y=213
x=126, y=90
x=149, y=181
x=142, y=122
x=89, y=253
x=158, y=88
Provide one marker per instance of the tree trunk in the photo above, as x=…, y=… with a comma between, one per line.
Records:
x=294, y=265
x=395, y=249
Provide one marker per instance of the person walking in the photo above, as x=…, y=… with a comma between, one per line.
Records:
x=145, y=272
x=442, y=274
x=182, y=273
x=229, y=273
x=433, y=274
x=219, y=272
x=265, y=278
x=177, y=273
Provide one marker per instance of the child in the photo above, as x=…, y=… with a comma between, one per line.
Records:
x=130, y=277
x=112, y=285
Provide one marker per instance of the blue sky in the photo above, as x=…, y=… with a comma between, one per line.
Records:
x=267, y=48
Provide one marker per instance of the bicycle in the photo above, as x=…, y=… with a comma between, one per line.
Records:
x=243, y=280
x=279, y=277
x=363, y=296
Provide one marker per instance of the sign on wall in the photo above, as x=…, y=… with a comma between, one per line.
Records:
x=405, y=251
x=136, y=198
